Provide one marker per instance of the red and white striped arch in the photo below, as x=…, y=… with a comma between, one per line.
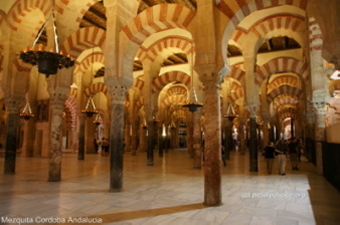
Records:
x=175, y=107
x=161, y=81
x=284, y=90
x=284, y=80
x=139, y=82
x=282, y=65
x=21, y=8
x=236, y=93
x=177, y=90
x=95, y=88
x=151, y=53
x=71, y=104
x=157, y=18
x=287, y=112
x=241, y=8
x=237, y=73
x=278, y=21
x=285, y=99
x=84, y=38
x=174, y=99
x=87, y=62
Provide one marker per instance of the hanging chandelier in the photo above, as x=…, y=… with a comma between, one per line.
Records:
x=192, y=105
x=26, y=113
x=144, y=125
x=98, y=119
x=230, y=114
x=90, y=108
x=48, y=61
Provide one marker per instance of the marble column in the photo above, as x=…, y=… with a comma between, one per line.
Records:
x=142, y=139
x=151, y=142
x=253, y=142
x=320, y=131
x=228, y=138
x=127, y=137
x=241, y=136
x=118, y=94
x=81, y=137
x=13, y=105
x=197, y=139
x=212, y=146
x=135, y=127
x=57, y=99
x=190, y=133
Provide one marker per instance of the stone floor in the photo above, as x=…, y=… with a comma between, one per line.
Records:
x=170, y=192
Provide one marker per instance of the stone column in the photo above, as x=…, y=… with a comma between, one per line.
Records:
x=151, y=142
x=57, y=99
x=13, y=105
x=320, y=131
x=212, y=147
x=265, y=131
x=135, y=127
x=118, y=94
x=190, y=133
x=81, y=137
x=240, y=131
x=228, y=138
x=127, y=136
x=253, y=151
x=197, y=139
x=142, y=139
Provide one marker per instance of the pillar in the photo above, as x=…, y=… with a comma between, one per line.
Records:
x=197, y=139
x=135, y=127
x=212, y=146
x=253, y=143
x=81, y=137
x=13, y=105
x=118, y=94
x=57, y=99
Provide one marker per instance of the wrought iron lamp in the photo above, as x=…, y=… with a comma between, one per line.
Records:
x=144, y=125
x=90, y=108
x=98, y=120
x=48, y=62
x=26, y=113
x=230, y=114
x=193, y=105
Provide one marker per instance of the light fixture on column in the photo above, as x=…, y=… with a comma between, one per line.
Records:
x=144, y=125
x=26, y=113
x=48, y=61
x=230, y=114
x=193, y=104
x=90, y=108
x=98, y=119
x=172, y=126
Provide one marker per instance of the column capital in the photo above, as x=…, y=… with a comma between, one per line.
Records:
x=211, y=81
x=118, y=94
x=252, y=109
x=13, y=104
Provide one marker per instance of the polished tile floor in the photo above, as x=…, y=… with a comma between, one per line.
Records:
x=170, y=192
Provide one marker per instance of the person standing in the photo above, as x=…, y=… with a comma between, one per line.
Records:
x=269, y=155
x=281, y=150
